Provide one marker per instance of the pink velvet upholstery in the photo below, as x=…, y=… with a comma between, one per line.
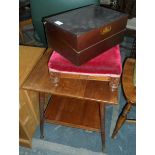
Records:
x=108, y=64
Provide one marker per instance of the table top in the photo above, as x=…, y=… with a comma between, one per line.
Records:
x=26, y=55
x=39, y=80
x=127, y=80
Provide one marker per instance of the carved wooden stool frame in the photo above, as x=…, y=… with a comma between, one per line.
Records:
x=56, y=77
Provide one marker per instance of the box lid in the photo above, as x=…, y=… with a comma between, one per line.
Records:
x=85, y=19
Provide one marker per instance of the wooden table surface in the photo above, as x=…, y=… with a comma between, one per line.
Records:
x=28, y=57
x=39, y=80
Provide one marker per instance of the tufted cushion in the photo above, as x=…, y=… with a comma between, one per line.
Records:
x=106, y=64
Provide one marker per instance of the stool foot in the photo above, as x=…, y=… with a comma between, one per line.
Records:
x=114, y=83
x=55, y=78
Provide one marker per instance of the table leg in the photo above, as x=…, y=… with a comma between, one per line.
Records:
x=41, y=109
x=102, y=124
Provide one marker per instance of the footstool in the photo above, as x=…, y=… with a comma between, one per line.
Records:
x=105, y=67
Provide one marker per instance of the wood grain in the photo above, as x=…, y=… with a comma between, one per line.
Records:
x=127, y=80
x=73, y=112
x=39, y=80
x=80, y=76
x=26, y=114
x=28, y=56
x=28, y=108
x=33, y=100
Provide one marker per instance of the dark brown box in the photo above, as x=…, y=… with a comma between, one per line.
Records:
x=81, y=34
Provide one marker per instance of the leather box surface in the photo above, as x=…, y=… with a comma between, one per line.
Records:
x=81, y=34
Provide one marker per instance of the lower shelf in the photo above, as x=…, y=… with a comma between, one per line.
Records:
x=72, y=112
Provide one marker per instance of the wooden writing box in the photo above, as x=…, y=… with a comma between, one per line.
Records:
x=81, y=34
